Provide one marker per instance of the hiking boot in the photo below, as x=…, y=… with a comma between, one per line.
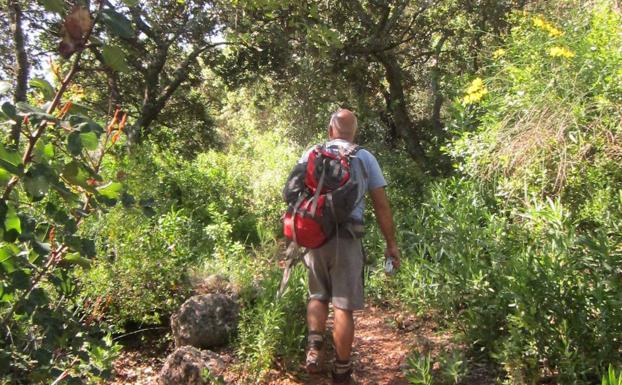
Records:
x=342, y=373
x=315, y=354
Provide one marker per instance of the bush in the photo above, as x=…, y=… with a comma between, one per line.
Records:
x=140, y=275
x=189, y=208
x=521, y=250
x=270, y=328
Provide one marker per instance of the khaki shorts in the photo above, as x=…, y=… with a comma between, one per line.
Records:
x=336, y=273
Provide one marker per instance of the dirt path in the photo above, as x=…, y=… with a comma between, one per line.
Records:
x=383, y=341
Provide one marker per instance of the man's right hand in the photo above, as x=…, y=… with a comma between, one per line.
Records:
x=385, y=221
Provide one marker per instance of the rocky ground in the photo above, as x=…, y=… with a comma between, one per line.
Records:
x=384, y=339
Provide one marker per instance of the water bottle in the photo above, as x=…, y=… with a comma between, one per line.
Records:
x=389, y=269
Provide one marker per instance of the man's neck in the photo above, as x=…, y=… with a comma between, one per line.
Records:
x=342, y=139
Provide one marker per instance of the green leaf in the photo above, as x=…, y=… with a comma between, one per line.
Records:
x=89, y=140
x=7, y=254
x=29, y=227
x=75, y=174
x=40, y=247
x=127, y=200
x=114, y=57
x=7, y=297
x=77, y=108
x=3, y=210
x=74, y=144
x=111, y=190
x=36, y=186
x=84, y=246
x=72, y=380
x=130, y=3
x=5, y=87
x=44, y=86
x=64, y=192
x=118, y=23
x=25, y=109
x=85, y=124
x=38, y=296
x=5, y=177
x=146, y=206
x=88, y=248
x=9, y=110
x=11, y=161
x=11, y=221
x=8, y=113
x=37, y=181
x=57, y=6
x=43, y=152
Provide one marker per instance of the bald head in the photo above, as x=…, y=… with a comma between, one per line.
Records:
x=342, y=125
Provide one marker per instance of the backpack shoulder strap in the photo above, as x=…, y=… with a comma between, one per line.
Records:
x=352, y=149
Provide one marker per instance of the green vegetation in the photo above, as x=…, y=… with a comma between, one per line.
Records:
x=497, y=125
x=520, y=250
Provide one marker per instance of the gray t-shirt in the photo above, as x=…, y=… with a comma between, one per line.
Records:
x=372, y=179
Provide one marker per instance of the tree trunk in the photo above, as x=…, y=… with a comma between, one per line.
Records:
x=157, y=96
x=438, y=102
x=397, y=107
x=22, y=66
x=437, y=94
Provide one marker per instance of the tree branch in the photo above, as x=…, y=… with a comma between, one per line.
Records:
x=363, y=16
x=153, y=106
x=32, y=140
x=397, y=13
x=398, y=109
x=181, y=73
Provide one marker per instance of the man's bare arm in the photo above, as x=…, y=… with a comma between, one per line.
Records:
x=384, y=216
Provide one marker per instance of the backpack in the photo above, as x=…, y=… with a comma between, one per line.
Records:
x=321, y=194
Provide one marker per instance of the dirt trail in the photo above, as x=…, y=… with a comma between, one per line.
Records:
x=383, y=341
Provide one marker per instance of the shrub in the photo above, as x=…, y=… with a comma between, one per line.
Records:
x=270, y=328
x=140, y=275
x=520, y=250
x=190, y=209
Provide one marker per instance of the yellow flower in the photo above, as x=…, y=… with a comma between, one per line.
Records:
x=539, y=22
x=475, y=92
x=498, y=53
x=546, y=26
x=554, y=32
x=475, y=85
x=561, y=52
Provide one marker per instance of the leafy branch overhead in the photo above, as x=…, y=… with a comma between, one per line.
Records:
x=50, y=185
x=156, y=46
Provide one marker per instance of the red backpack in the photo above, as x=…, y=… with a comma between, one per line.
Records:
x=321, y=194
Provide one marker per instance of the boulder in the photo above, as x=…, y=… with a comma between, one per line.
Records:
x=190, y=366
x=214, y=283
x=205, y=321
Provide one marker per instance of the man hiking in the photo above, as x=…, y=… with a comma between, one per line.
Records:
x=335, y=269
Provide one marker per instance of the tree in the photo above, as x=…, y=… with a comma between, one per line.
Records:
x=390, y=54
x=154, y=47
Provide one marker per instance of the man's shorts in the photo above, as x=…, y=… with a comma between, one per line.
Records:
x=335, y=273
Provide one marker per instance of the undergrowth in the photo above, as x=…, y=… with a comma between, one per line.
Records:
x=520, y=250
